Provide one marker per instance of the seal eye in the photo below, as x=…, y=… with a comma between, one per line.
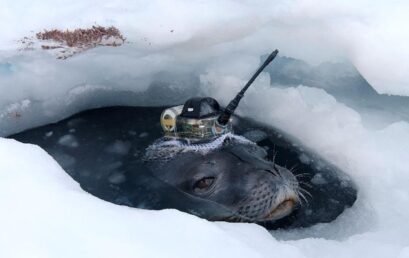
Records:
x=203, y=183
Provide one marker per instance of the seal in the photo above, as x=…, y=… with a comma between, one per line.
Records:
x=114, y=154
x=231, y=171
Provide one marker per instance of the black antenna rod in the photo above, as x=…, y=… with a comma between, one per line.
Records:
x=229, y=110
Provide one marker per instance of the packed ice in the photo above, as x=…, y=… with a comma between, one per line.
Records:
x=179, y=49
x=68, y=140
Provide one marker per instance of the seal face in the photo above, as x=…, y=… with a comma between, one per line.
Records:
x=234, y=174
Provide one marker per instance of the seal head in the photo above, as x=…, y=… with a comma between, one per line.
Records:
x=235, y=174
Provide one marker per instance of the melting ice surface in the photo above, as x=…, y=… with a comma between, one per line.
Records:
x=46, y=214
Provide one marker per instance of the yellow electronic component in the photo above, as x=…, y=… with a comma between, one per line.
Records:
x=168, y=118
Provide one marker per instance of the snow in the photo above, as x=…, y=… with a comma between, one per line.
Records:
x=179, y=49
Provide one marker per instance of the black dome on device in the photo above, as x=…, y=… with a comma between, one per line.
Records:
x=198, y=108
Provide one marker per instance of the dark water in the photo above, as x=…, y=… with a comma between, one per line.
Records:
x=102, y=150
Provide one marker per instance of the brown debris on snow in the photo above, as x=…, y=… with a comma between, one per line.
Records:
x=67, y=43
x=83, y=37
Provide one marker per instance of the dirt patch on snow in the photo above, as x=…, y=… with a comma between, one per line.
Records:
x=64, y=44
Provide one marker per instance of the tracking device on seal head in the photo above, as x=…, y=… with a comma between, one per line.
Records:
x=202, y=119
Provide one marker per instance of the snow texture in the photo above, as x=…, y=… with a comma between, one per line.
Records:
x=177, y=49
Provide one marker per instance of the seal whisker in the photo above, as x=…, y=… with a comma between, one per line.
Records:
x=274, y=157
x=306, y=184
x=274, y=153
x=272, y=171
x=294, y=168
x=303, y=198
x=305, y=191
x=302, y=175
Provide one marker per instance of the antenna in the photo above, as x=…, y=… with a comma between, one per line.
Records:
x=229, y=110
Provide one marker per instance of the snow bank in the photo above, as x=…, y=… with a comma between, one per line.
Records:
x=170, y=44
x=370, y=33
x=183, y=48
